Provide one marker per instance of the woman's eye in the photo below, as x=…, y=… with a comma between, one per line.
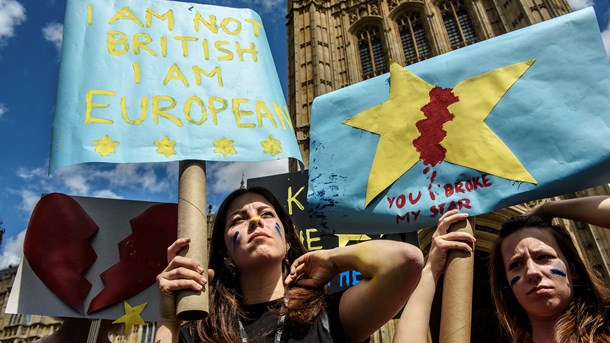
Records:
x=515, y=265
x=236, y=220
x=545, y=257
x=267, y=214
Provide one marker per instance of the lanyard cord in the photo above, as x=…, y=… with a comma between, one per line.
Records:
x=278, y=331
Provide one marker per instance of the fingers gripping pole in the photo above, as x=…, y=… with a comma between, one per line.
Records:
x=191, y=305
x=456, y=311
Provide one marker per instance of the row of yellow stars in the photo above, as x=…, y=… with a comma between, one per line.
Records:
x=165, y=146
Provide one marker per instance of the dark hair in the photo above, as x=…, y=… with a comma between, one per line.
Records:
x=587, y=316
x=222, y=324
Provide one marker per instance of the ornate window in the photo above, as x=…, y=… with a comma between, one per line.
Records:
x=413, y=37
x=458, y=24
x=371, y=49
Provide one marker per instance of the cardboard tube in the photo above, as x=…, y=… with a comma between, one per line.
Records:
x=191, y=305
x=456, y=311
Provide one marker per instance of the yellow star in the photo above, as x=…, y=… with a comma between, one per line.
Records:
x=469, y=142
x=272, y=146
x=131, y=317
x=166, y=146
x=224, y=146
x=105, y=146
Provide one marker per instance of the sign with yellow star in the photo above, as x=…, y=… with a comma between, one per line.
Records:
x=131, y=317
x=171, y=81
x=497, y=123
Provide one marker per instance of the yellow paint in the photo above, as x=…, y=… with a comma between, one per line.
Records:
x=394, y=121
x=468, y=131
x=131, y=317
x=255, y=26
x=293, y=199
x=105, y=146
x=169, y=16
x=271, y=146
x=310, y=239
x=174, y=73
x=262, y=111
x=228, y=54
x=344, y=239
x=161, y=111
x=210, y=25
x=184, y=44
x=140, y=41
x=89, y=14
x=206, y=49
x=143, y=108
x=282, y=115
x=215, y=110
x=252, y=50
x=136, y=72
x=163, y=42
x=255, y=218
x=239, y=113
x=188, y=105
x=125, y=14
x=89, y=106
x=214, y=72
x=224, y=146
x=112, y=41
x=165, y=146
x=226, y=23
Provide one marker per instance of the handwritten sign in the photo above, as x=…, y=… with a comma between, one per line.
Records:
x=103, y=252
x=291, y=191
x=518, y=117
x=157, y=81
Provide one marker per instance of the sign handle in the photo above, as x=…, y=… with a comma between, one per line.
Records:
x=192, y=223
x=456, y=311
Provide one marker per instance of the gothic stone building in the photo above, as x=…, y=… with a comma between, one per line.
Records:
x=336, y=43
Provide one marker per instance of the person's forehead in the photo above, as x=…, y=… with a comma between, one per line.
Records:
x=248, y=200
x=530, y=238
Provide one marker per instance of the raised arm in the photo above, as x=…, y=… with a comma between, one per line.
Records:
x=181, y=273
x=415, y=318
x=594, y=210
x=390, y=271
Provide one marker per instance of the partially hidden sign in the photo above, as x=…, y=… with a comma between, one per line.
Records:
x=84, y=257
x=158, y=81
x=522, y=116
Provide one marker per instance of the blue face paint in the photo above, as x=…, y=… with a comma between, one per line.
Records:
x=279, y=230
x=558, y=272
x=514, y=280
x=235, y=240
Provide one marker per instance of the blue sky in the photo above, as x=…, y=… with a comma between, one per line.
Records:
x=30, y=42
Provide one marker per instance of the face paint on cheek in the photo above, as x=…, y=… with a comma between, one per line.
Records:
x=514, y=280
x=558, y=272
x=235, y=240
x=279, y=230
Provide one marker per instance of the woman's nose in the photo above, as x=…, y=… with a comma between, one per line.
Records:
x=533, y=272
x=255, y=222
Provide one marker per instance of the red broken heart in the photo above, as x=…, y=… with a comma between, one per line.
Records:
x=58, y=222
x=142, y=256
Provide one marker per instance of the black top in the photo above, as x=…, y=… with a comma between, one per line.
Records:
x=262, y=322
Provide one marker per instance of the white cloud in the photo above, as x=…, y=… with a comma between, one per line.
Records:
x=54, y=33
x=3, y=109
x=12, y=13
x=106, y=193
x=12, y=251
x=29, y=199
x=580, y=4
x=228, y=176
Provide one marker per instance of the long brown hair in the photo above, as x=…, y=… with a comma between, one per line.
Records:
x=588, y=314
x=222, y=324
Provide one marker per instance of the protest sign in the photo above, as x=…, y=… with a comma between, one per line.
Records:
x=158, y=81
x=85, y=256
x=518, y=117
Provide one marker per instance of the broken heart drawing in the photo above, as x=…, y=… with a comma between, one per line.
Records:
x=58, y=248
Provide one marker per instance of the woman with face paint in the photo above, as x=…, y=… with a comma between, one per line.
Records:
x=265, y=287
x=543, y=290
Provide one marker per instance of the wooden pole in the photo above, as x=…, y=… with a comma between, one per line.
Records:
x=192, y=223
x=456, y=311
